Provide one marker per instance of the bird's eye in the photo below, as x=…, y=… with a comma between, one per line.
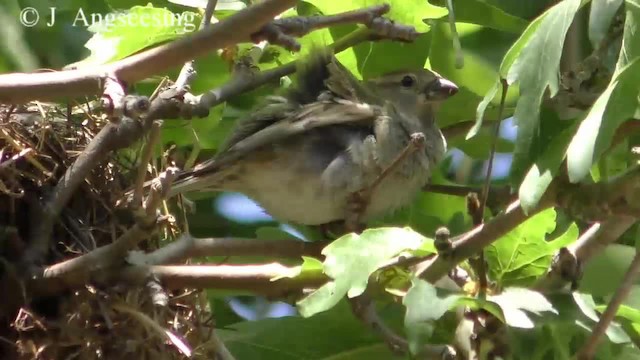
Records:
x=407, y=81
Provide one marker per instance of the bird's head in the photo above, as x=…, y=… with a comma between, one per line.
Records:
x=417, y=91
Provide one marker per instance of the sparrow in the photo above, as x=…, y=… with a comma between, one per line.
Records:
x=302, y=154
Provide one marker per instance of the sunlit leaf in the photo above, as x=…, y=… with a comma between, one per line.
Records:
x=630, y=44
x=485, y=14
x=424, y=306
x=513, y=302
x=407, y=12
x=523, y=254
x=588, y=306
x=536, y=69
x=618, y=103
x=544, y=169
x=351, y=259
x=600, y=16
x=124, y=33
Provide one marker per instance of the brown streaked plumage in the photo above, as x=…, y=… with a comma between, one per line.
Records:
x=300, y=155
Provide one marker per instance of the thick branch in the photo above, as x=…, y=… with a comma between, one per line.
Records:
x=252, y=279
x=477, y=239
x=20, y=87
x=189, y=247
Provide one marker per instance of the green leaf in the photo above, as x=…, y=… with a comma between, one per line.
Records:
x=544, y=170
x=518, y=47
x=481, y=13
x=221, y=5
x=381, y=57
x=604, y=272
x=310, y=268
x=600, y=16
x=182, y=132
x=478, y=73
x=508, y=60
x=424, y=306
x=513, y=301
x=479, y=147
x=482, y=107
x=350, y=261
x=335, y=334
x=523, y=254
x=133, y=30
x=536, y=69
x=618, y=103
x=475, y=303
x=630, y=44
x=406, y=12
x=462, y=107
x=588, y=307
x=624, y=311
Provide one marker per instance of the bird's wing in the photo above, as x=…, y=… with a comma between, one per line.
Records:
x=307, y=117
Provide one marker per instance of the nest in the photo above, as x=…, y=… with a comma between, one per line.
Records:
x=38, y=142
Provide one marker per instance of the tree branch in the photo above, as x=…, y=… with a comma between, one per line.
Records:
x=284, y=31
x=568, y=262
x=621, y=293
x=187, y=247
x=20, y=87
x=478, y=238
x=252, y=279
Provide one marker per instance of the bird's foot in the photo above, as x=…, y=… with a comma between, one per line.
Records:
x=416, y=142
x=332, y=230
x=357, y=204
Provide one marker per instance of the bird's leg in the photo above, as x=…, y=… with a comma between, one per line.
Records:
x=332, y=230
x=356, y=206
x=358, y=201
x=416, y=142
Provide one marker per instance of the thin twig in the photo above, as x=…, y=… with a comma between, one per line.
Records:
x=284, y=31
x=79, y=269
x=111, y=136
x=494, y=144
x=607, y=317
x=364, y=309
x=145, y=158
x=188, y=72
x=479, y=210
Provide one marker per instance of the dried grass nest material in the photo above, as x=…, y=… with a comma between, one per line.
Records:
x=38, y=142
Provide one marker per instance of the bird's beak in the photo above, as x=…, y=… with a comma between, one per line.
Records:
x=441, y=89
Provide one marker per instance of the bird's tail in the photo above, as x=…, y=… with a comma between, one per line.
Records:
x=184, y=182
x=320, y=72
x=311, y=75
